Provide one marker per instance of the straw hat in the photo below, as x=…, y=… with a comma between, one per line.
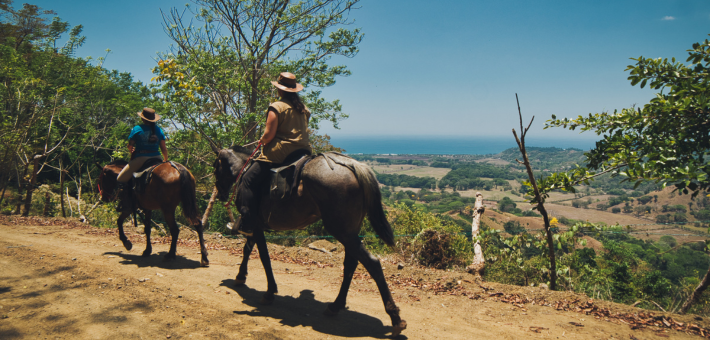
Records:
x=287, y=82
x=149, y=115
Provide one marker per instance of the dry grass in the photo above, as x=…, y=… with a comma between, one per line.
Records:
x=411, y=170
x=494, y=161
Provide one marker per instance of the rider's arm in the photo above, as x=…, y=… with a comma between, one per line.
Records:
x=131, y=145
x=164, y=150
x=272, y=123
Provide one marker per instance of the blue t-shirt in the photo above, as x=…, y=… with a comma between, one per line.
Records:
x=145, y=146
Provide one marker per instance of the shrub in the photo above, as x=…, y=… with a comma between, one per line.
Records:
x=513, y=228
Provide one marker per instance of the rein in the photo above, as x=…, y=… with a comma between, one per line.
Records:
x=239, y=175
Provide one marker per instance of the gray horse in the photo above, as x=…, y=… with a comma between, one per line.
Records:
x=334, y=188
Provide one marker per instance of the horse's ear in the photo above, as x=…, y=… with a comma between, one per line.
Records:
x=99, y=166
x=214, y=148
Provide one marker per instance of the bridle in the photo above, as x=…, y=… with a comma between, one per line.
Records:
x=239, y=175
x=101, y=192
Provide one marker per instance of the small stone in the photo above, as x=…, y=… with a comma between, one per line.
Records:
x=74, y=259
x=544, y=286
x=400, y=266
x=160, y=275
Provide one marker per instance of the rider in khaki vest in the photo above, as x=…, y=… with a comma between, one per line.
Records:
x=286, y=132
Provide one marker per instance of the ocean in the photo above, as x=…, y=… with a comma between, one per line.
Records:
x=447, y=145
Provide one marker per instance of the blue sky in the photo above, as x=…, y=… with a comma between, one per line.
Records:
x=452, y=68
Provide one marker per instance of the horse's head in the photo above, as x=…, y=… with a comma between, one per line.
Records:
x=107, y=182
x=226, y=168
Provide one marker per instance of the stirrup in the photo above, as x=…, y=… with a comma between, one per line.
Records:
x=240, y=228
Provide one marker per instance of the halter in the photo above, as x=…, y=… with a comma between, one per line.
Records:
x=101, y=192
x=239, y=175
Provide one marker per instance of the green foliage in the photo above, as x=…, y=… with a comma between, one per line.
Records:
x=659, y=142
x=416, y=224
x=513, y=228
x=407, y=181
x=468, y=176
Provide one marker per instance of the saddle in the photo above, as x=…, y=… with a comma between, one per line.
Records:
x=285, y=179
x=142, y=177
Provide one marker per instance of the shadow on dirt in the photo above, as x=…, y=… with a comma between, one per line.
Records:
x=156, y=260
x=306, y=311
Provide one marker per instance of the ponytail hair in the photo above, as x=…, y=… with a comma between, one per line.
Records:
x=295, y=101
x=153, y=125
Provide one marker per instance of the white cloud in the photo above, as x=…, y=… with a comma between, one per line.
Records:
x=668, y=17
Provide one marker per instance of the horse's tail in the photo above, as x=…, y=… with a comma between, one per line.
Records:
x=373, y=198
x=188, y=196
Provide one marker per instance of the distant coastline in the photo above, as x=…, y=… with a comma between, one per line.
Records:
x=446, y=145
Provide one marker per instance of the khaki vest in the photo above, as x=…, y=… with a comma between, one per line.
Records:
x=291, y=133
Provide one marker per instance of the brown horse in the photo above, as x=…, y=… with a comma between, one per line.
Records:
x=168, y=187
x=336, y=189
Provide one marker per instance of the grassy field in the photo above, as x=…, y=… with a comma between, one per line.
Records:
x=411, y=170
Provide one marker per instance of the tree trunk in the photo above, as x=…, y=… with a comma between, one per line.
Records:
x=31, y=186
x=479, y=263
x=5, y=184
x=61, y=189
x=46, y=204
x=538, y=196
x=208, y=211
x=71, y=210
x=696, y=293
x=20, y=186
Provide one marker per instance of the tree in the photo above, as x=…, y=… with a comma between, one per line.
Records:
x=537, y=195
x=665, y=141
x=216, y=78
x=58, y=113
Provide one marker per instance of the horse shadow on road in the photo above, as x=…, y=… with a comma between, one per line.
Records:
x=156, y=260
x=306, y=311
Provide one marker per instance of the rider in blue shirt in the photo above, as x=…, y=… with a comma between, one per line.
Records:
x=146, y=141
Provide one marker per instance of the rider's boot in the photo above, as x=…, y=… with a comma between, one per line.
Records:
x=124, y=197
x=246, y=226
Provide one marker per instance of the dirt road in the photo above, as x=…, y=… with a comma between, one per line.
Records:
x=73, y=282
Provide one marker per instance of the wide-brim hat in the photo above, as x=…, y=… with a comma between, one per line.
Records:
x=287, y=82
x=149, y=115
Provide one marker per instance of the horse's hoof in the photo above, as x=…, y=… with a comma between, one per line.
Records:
x=396, y=330
x=240, y=282
x=146, y=253
x=329, y=312
x=128, y=245
x=267, y=299
x=204, y=263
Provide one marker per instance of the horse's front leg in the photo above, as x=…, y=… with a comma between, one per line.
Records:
x=121, y=235
x=174, y=233
x=268, y=297
x=147, y=222
x=246, y=252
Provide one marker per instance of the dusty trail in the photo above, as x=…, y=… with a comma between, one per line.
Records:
x=79, y=283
